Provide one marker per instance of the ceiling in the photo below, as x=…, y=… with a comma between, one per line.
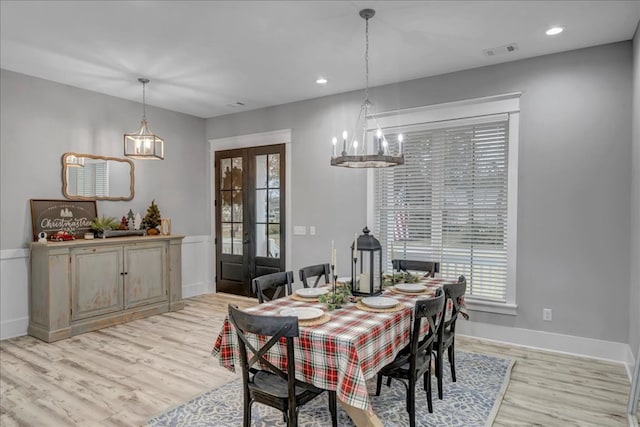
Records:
x=204, y=57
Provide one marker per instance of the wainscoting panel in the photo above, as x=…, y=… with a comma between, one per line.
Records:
x=14, y=292
x=197, y=276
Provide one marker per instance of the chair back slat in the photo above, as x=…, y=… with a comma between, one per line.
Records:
x=315, y=274
x=268, y=326
x=428, y=267
x=430, y=309
x=272, y=286
x=454, y=292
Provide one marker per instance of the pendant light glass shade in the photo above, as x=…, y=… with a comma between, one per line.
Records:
x=143, y=144
x=373, y=151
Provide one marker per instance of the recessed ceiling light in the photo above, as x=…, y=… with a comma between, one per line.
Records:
x=554, y=30
x=322, y=81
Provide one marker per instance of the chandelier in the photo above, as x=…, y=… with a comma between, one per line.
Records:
x=355, y=154
x=143, y=144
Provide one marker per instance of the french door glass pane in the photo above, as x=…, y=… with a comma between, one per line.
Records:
x=274, y=170
x=236, y=173
x=227, y=239
x=273, y=248
x=274, y=206
x=261, y=172
x=225, y=208
x=237, y=239
x=261, y=206
x=261, y=240
x=237, y=206
x=225, y=174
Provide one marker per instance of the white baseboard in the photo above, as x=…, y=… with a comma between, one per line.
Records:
x=194, y=289
x=14, y=327
x=568, y=344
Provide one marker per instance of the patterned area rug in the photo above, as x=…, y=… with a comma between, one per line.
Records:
x=471, y=401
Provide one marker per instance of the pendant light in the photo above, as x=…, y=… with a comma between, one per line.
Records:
x=143, y=144
x=354, y=154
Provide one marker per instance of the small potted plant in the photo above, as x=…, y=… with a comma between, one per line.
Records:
x=151, y=220
x=100, y=224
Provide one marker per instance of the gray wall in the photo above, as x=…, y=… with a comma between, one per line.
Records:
x=634, y=300
x=574, y=178
x=41, y=120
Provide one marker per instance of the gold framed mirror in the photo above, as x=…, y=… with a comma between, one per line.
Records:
x=90, y=177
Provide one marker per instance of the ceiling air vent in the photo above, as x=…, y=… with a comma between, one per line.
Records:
x=501, y=50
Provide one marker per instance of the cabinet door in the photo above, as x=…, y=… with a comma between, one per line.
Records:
x=145, y=266
x=96, y=281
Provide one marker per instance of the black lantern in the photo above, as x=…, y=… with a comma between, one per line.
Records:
x=366, y=268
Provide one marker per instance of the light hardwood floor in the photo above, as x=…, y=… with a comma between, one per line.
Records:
x=125, y=374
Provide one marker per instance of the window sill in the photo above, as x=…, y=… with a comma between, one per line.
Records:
x=491, y=307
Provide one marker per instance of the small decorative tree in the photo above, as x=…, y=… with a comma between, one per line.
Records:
x=152, y=219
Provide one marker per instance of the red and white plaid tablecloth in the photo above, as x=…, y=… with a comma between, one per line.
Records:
x=340, y=354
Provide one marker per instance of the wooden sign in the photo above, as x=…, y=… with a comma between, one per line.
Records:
x=52, y=216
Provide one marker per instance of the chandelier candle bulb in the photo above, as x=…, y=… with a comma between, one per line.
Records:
x=345, y=135
x=334, y=142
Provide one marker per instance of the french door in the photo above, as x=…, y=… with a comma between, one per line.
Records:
x=250, y=220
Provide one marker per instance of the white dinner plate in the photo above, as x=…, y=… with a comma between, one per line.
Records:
x=379, y=302
x=302, y=313
x=311, y=292
x=411, y=287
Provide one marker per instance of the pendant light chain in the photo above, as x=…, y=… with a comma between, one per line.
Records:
x=144, y=103
x=366, y=61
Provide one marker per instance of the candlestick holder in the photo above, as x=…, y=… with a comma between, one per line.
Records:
x=354, y=279
x=334, y=276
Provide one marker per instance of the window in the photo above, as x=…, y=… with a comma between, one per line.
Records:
x=453, y=200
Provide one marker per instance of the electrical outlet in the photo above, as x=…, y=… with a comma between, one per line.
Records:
x=547, y=314
x=312, y=230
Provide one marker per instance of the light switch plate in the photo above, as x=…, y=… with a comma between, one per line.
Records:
x=300, y=230
x=312, y=230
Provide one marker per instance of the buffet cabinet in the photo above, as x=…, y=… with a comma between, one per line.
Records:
x=83, y=285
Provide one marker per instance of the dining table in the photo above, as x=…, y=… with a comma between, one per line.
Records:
x=344, y=347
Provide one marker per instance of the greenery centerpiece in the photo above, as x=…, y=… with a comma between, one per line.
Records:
x=339, y=296
x=101, y=224
x=399, y=277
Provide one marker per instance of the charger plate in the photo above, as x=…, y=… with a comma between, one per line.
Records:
x=303, y=313
x=427, y=291
x=315, y=322
x=397, y=307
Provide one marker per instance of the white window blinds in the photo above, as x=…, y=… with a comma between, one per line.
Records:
x=448, y=202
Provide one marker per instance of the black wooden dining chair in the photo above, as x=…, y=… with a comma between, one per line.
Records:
x=271, y=286
x=414, y=361
x=430, y=268
x=274, y=387
x=311, y=275
x=446, y=337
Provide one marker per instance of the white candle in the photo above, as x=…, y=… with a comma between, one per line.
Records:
x=331, y=255
x=364, y=283
x=335, y=263
x=355, y=246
